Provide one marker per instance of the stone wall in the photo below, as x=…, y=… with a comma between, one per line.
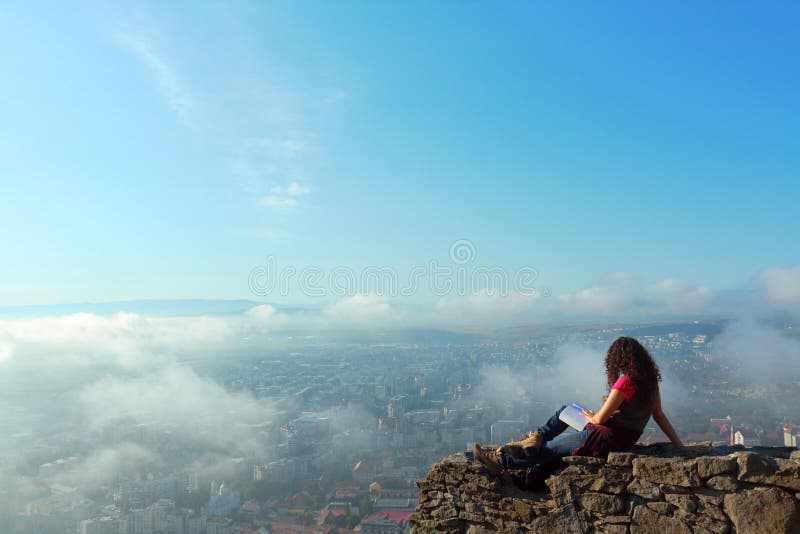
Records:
x=729, y=489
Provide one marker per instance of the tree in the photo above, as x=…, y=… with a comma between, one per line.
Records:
x=365, y=505
x=262, y=490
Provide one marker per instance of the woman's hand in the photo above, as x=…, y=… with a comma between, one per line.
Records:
x=589, y=415
x=611, y=405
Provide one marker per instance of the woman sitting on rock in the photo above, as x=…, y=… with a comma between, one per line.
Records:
x=633, y=397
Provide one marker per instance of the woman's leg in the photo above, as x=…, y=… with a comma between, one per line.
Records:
x=551, y=451
x=530, y=445
x=553, y=427
x=562, y=446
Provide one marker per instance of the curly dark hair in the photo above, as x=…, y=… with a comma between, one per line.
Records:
x=628, y=357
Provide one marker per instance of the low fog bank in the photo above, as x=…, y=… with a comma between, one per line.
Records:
x=758, y=350
x=575, y=373
x=134, y=395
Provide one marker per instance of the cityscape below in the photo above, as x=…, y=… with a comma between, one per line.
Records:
x=331, y=437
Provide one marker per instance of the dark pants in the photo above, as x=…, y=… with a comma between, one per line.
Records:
x=554, y=447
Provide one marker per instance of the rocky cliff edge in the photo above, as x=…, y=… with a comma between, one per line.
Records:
x=652, y=489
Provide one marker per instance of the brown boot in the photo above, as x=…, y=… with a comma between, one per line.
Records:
x=527, y=447
x=489, y=458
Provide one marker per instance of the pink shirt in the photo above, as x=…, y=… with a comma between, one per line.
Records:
x=625, y=386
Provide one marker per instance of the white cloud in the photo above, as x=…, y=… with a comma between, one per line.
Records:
x=123, y=339
x=168, y=80
x=175, y=399
x=6, y=351
x=363, y=311
x=782, y=285
x=576, y=374
x=284, y=148
x=615, y=294
x=132, y=341
x=102, y=466
x=490, y=308
x=171, y=409
x=285, y=197
x=296, y=190
x=274, y=201
x=675, y=295
x=618, y=295
x=623, y=294
x=758, y=351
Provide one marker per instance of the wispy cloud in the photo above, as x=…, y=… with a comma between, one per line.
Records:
x=274, y=201
x=297, y=190
x=167, y=78
x=782, y=285
x=133, y=341
x=284, y=148
x=622, y=293
x=285, y=197
x=619, y=295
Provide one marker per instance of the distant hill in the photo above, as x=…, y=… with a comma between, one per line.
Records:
x=525, y=332
x=163, y=308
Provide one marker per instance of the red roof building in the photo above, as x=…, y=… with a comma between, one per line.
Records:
x=386, y=522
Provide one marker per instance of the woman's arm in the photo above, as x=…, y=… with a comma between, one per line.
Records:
x=661, y=419
x=612, y=404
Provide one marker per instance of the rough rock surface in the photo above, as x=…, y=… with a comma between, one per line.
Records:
x=652, y=489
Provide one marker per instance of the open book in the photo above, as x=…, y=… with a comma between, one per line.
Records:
x=572, y=416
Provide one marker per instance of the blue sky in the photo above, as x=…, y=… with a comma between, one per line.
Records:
x=162, y=150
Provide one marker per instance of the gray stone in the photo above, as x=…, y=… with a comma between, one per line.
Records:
x=602, y=503
x=667, y=488
x=583, y=460
x=610, y=529
x=564, y=519
x=471, y=517
x=644, y=489
x=620, y=459
x=687, y=503
x=575, y=470
x=705, y=525
x=563, y=492
x=709, y=466
x=762, y=511
x=447, y=511
x=722, y=483
x=754, y=467
x=633, y=502
x=615, y=519
x=457, y=496
x=765, y=470
x=709, y=496
x=479, y=529
x=607, y=480
x=519, y=509
x=712, y=512
x=647, y=521
x=668, y=471
x=661, y=507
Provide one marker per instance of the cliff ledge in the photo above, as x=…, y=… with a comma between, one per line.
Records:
x=652, y=489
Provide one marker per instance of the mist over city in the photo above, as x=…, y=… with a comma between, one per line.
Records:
x=267, y=263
